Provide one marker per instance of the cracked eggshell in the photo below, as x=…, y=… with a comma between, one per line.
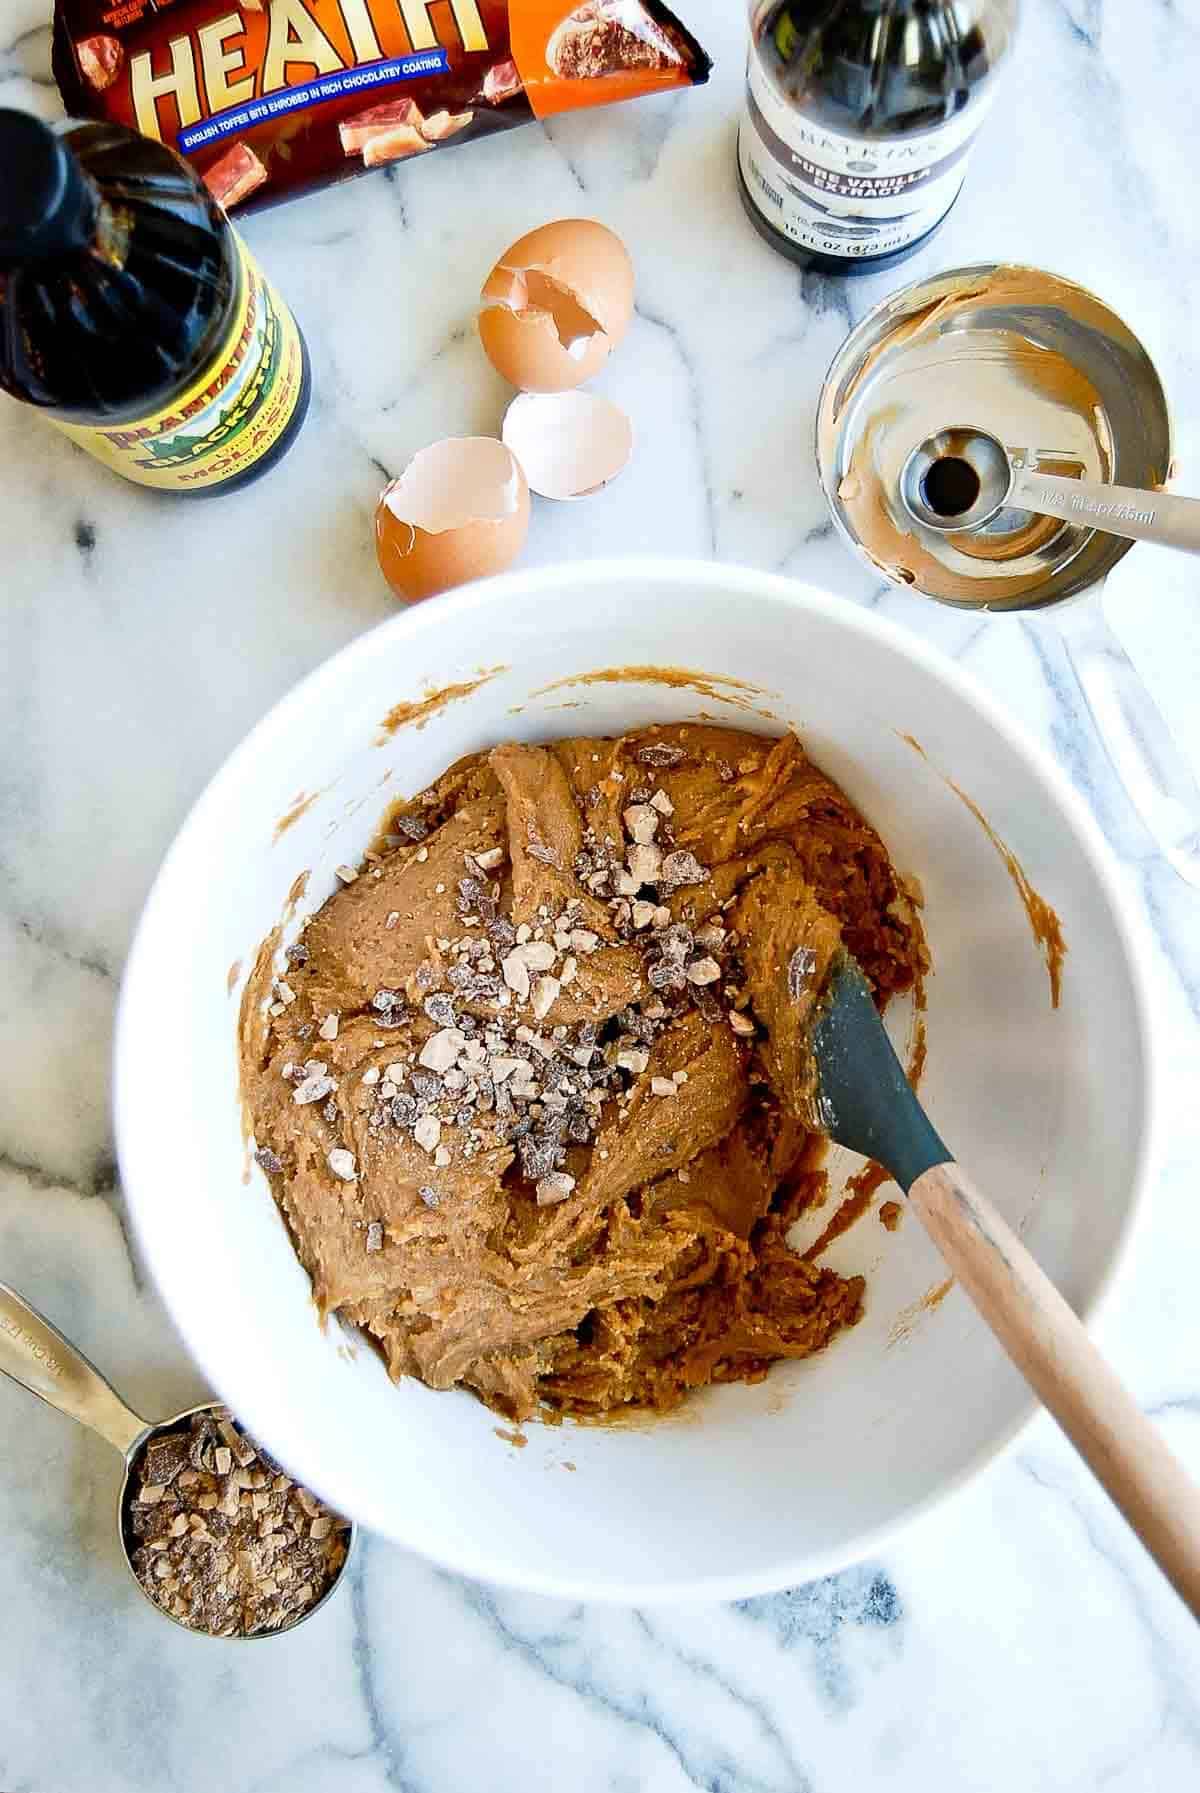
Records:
x=570, y=444
x=556, y=304
x=458, y=511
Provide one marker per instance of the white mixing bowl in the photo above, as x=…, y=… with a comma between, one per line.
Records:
x=752, y=1488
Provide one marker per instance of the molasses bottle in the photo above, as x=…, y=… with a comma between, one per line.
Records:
x=133, y=316
x=859, y=118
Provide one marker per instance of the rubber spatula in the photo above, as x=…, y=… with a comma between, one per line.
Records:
x=864, y=1102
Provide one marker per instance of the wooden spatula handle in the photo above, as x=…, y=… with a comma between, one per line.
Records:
x=1049, y=1346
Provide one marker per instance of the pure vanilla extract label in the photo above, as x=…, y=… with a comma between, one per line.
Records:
x=230, y=417
x=842, y=195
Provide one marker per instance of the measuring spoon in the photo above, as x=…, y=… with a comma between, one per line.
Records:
x=34, y=1354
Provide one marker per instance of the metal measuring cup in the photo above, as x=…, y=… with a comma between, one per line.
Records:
x=35, y=1354
x=1021, y=356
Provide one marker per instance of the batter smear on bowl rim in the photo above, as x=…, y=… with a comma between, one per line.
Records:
x=529, y=1089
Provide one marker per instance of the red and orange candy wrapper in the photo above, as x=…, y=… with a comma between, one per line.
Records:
x=273, y=98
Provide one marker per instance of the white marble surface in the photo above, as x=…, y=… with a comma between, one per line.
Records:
x=1019, y=1639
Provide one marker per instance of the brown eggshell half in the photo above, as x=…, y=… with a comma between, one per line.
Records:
x=556, y=304
x=458, y=511
x=525, y=348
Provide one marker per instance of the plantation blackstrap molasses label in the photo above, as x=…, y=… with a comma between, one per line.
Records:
x=230, y=417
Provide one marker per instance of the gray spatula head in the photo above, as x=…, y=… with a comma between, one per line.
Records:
x=865, y=1101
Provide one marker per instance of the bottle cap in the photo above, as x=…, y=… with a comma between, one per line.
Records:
x=43, y=194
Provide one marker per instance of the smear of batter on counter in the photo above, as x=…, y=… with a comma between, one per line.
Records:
x=719, y=687
x=531, y=1102
x=1043, y=920
x=232, y=976
x=416, y=714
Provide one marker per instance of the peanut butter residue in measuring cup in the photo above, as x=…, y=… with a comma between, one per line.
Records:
x=1033, y=360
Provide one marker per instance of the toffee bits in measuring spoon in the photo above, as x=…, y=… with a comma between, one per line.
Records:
x=221, y=1538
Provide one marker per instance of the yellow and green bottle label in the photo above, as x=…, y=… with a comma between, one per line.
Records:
x=230, y=417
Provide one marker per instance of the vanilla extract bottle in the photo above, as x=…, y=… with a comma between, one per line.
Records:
x=132, y=315
x=859, y=118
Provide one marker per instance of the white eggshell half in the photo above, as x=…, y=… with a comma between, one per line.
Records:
x=570, y=444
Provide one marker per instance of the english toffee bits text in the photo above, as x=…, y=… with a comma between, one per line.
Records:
x=545, y=1086
x=225, y=1540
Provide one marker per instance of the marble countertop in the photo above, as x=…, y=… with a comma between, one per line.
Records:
x=1019, y=1638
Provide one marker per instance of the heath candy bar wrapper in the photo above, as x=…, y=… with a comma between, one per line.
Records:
x=269, y=99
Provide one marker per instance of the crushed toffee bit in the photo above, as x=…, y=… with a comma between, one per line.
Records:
x=315, y=1087
x=703, y=971
x=556, y=1186
x=682, y=868
x=641, y=823
x=442, y=1049
x=427, y=1131
x=538, y=849
x=221, y=1538
x=660, y=753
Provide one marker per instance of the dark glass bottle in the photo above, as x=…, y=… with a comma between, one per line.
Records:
x=859, y=118
x=132, y=315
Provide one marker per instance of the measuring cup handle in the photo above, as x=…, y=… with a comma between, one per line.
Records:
x=36, y=1355
x=1157, y=779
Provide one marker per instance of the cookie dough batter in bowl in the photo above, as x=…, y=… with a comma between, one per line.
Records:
x=749, y=1480
x=552, y=1147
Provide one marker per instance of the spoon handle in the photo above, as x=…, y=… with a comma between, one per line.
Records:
x=1048, y=1344
x=1132, y=511
x=36, y=1355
